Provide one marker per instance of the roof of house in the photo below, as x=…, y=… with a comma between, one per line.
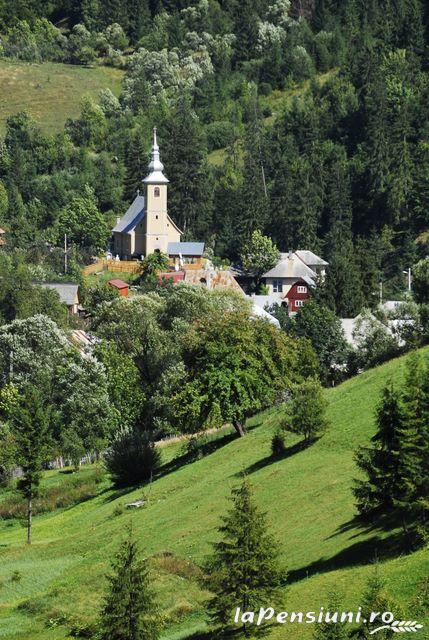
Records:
x=290, y=266
x=66, y=291
x=133, y=216
x=259, y=312
x=310, y=259
x=2, y=231
x=119, y=284
x=185, y=248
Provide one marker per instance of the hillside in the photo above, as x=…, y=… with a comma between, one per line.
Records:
x=307, y=497
x=51, y=92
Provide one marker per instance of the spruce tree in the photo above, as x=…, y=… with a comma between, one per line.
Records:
x=375, y=598
x=254, y=206
x=386, y=465
x=334, y=629
x=129, y=611
x=183, y=153
x=136, y=163
x=244, y=570
x=415, y=505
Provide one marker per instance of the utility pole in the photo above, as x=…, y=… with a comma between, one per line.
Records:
x=408, y=273
x=261, y=162
x=65, y=253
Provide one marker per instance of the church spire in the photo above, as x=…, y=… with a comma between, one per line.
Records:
x=156, y=168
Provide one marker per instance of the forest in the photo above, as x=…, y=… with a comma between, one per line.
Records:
x=342, y=170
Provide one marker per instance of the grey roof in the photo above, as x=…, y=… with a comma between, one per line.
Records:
x=67, y=292
x=310, y=259
x=261, y=313
x=290, y=266
x=133, y=216
x=185, y=248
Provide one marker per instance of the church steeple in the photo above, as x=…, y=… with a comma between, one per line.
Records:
x=156, y=168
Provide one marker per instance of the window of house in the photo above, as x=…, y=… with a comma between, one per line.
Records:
x=156, y=217
x=277, y=286
x=299, y=303
x=156, y=192
x=302, y=289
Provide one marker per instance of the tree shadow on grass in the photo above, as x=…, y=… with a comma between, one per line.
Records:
x=204, y=450
x=173, y=465
x=302, y=445
x=364, y=525
x=358, y=554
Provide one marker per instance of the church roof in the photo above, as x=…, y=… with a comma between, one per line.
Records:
x=185, y=248
x=133, y=216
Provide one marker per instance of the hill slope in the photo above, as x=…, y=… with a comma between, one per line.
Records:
x=51, y=92
x=307, y=496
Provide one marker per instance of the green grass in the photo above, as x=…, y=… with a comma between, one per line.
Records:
x=309, y=504
x=51, y=92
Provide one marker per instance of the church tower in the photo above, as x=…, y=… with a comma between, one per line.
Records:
x=146, y=226
x=157, y=220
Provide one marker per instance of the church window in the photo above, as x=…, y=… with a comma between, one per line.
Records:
x=156, y=192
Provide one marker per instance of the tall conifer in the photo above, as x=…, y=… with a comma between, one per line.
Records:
x=244, y=570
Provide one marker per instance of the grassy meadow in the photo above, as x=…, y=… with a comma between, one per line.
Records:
x=57, y=584
x=51, y=92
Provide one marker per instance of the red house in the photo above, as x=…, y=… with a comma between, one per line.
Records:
x=297, y=296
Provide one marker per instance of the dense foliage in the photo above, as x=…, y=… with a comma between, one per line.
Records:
x=342, y=171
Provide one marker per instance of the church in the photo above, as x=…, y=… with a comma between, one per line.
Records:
x=146, y=227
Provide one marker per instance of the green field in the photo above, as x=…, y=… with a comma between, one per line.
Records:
x=51, y=92
x=307, y=496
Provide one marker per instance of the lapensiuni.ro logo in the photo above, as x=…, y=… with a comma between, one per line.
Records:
x=377, y=620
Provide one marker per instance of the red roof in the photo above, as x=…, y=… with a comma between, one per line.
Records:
x=119, y=284
x=176, y=276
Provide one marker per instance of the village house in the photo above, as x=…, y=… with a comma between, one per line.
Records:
x=289, y=283
x=68, y=294
x=146, y=227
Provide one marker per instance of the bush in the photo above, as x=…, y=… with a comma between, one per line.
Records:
x=265, y=89
x=278, y=444
x=132, y=458
x=219, y=135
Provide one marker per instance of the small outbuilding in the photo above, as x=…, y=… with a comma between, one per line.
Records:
x=122, y=287
x=68, y=294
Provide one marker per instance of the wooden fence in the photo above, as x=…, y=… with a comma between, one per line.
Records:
x=116, y=266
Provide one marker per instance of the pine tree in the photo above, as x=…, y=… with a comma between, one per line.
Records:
x=129, y=611
x=183, y=153
x=415, y=504
x=254, y=206
x=375, y=598
x=387, y=465
x=30, y=425
x=334, y=629
x=136, y=162
x=244, y=570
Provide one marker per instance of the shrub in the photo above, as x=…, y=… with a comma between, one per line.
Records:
x=132, y=458
x=278, y=444
x=220, y=134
